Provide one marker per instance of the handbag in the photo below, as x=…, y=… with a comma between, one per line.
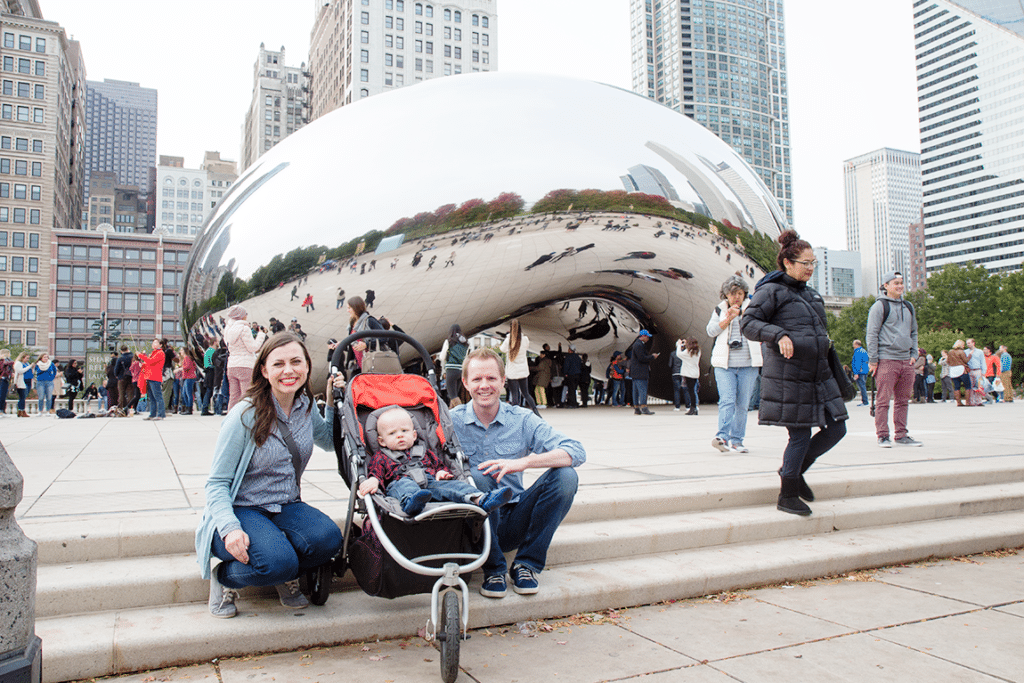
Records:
x=381, y=363
x=847, y=389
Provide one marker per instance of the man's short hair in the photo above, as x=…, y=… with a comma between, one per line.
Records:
x=124, y=347
x=483, y=354
x=856, y=342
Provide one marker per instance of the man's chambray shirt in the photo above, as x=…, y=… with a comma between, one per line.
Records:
x=515, y=433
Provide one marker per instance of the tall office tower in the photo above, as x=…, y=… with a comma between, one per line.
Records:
x=723, y=64
x=362, y=49
x=41, y=138
x=883, y=199
x=120, y=131
x=278, y=107
x=969, y=89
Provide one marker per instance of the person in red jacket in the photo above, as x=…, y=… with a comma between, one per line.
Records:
x=153, y=374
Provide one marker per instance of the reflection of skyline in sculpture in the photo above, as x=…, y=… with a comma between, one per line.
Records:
x=649, y=180
x=525, y=266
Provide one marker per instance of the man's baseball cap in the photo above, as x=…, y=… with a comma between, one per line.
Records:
x=332, y=341
x=889, y=277
x=645, y=333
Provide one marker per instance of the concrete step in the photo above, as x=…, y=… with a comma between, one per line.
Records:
x=118, y=641
x=101, y=538
x=134, y=582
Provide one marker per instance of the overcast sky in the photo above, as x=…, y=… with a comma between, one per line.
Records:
x=851, y=72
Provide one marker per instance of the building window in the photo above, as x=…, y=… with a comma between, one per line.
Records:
x=476, y=20
x=430, y=29
x=365, y=18
x=389, y=22
x=9, y=41
x=430, y=10
x=40, y=93
x=447, y=15
x=40, y=44
x=364, y=37
x=25, y=42
x=388, y=78
x=419, y=64
x=458, y=17
x=389, y=59
x=364, y=75
x=458, y=35
x=485, y=39
x=476, y=38
x=40, y=68
x=430, y=47
x=37, y=169
x=364, y=56
x=483, y=21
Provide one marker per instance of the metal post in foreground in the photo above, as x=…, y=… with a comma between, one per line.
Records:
x=21, y=657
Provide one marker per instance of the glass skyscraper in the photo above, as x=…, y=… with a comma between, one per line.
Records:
x=970, y=96
x=120, y=131
x=723, y=64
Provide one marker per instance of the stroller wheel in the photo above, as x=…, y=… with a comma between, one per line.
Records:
x=318, y=580
x=451, y=637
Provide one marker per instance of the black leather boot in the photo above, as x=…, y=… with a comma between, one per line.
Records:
x=789, y=498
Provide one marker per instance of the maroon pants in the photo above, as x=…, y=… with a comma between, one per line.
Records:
x=895, y=382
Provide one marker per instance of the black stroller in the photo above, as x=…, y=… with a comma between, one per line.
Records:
x=393, y=554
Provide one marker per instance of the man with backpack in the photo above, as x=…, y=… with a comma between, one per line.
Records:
x=892, y=349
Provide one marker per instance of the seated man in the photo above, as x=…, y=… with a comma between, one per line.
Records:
x=501, y=441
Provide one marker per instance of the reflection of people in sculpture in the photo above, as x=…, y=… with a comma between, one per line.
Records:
x=453, y=351
x=450, y=261
x=430, y=263
x=541, y=259
x=637, y=254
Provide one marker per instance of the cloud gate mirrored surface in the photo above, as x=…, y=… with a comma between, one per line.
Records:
x=584, y=210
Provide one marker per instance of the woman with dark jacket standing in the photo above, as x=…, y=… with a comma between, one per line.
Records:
x=798, y=390
x=73, y=382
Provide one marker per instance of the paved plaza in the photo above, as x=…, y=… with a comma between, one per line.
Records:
x=949, y=620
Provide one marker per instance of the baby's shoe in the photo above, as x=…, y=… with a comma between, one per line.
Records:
x=415, y=503
x=496, y=498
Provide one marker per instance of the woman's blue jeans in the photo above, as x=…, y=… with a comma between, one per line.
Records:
x=44, y=389
x=155, y=398
x=22, y=395
x=187, y=394
x=735, y=385
x=281, y=544
x=618, y=392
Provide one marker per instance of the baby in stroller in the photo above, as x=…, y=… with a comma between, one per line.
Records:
x=413, y=474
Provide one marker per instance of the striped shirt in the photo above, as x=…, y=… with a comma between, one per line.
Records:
x=269, y=481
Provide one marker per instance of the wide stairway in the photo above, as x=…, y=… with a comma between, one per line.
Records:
x=126, y=596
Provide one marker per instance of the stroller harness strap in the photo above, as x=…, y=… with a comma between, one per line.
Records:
x=411, y=464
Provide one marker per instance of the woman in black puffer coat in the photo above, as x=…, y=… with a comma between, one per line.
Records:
x=798, y=390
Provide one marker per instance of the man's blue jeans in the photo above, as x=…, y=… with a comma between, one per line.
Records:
x=639, y=392
x=735, y=385
x=530, y=523
x=862, y=382
x=282, y=544
x=44, y=389
x=679, y=394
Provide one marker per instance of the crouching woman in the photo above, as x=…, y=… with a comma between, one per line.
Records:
x=255, y=522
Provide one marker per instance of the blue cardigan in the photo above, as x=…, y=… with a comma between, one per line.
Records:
x=231, y=458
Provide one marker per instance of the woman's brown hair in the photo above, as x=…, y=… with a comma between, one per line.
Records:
x=358, y=307
x=515, y=336
x=259, y=392
x=791, y=248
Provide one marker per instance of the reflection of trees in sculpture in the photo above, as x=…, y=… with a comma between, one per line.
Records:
x=450, y=217
x=617, y=200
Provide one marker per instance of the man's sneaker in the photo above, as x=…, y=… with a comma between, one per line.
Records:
x=291, y=596
x=907, y=441
x=222, y=600
x=524, y=581
x=493, y=586
x=720, y=444
x=738, y=448
x=884, y=442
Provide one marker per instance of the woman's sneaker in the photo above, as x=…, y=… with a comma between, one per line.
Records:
x=222, y=600
x=291, y=596
x=738, y=448
x=720, y=444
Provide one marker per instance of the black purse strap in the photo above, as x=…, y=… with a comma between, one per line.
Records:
x=293, y=448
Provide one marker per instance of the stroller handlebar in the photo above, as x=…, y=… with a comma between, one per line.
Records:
x=344, y=344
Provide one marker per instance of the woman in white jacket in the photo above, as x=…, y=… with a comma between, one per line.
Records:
x=736, y=360
x=242, y=349
x=517, y=369
x=688, y=353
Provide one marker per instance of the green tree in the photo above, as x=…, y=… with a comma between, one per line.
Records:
x=850, y=324
x=961, y=297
